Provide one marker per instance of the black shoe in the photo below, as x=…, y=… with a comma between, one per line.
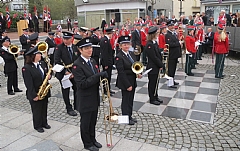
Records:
x=155, y=102
x=92, y=148
x=11, y=93
x=159, y=100
x=131, y=122
x=18, y=90
x=133, y=119
x=72, y=113
x=190, y=74
x=200, y=59
x=47, y=126
x=219, y=77
x=223, y=75
x=197, y=63
x=112, y=92
x=194, y=68
x=173, y=87
x=176, y=83
x=97, y=144
x=40, y=130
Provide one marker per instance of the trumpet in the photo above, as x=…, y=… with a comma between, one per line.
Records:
x=110, y=116
x=137, y=50
x=14, y=50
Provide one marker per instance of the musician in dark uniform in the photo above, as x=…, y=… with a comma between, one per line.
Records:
x=107, y=55
x=34, y=73
x=36, y=22
x=154, y=62
x=24, y=40
x=174, y=51
x=87, y=76
x=126, y=79
x=34, y=39
x=65, y=54
x=10, y=67
x=136, y=39
x=95, y=44
x=51, y=44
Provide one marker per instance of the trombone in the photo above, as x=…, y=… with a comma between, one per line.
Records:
x=14, y=50
x=110, y=116
x=165, y=59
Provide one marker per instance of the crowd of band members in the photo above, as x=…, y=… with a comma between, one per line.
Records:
x=85, y=50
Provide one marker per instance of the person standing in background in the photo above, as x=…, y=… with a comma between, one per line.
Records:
x=69, y=24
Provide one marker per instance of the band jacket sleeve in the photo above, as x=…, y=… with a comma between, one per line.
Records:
x=122, y=75
x=152, y=54
x=188, y=44
x=28, y=80
x=106, y=52
x=57, y=60
x=50, y=43
x=172, y=42
x=134, y=39
x=23, y=40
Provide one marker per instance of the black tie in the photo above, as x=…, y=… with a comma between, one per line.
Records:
x=89, y=63
x=38, y=67
x=70, y=52
x=130, y=58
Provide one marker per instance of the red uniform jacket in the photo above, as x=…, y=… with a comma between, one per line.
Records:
x=161, y=41
x=112, y=41
x=58, y=40
x=200, y=35
x=143, y=38
x=190, y=44
x=220, y=47
x=180, y=34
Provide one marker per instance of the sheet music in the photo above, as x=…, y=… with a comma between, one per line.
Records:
x=50, y=51
x=124, y=119
x=58, y=68
x=146, y=72
x=66, y=83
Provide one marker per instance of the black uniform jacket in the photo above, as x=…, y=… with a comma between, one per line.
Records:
x=126, y=77
x=50, y=42
x=61, y=55
x=87, y=85
x=106, y=52
x=95, y=41
x=33, y=79
x=10, y=62
x=210, y=38
x=154, y=57
x=174, y=46
x=35, y=20
x=136, y=39
x=25, y=45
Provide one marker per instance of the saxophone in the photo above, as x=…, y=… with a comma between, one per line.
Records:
x=45, y=87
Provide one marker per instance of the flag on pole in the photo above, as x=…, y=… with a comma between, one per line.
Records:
x=35, y=9
x=45, y=10
x=9, y=22
x=25, y=12
x=49, y=17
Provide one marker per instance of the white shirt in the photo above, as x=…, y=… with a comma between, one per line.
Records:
x=5, y=48
x=39, y=66
x=85, y=59
x=107, y=37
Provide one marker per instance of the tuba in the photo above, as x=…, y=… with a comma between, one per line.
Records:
x=137, y=67
x=110, y=116
x=137, y=50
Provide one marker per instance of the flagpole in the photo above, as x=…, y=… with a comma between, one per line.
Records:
x=47, y=18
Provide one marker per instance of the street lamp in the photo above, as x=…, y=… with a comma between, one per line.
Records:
x=180, y=13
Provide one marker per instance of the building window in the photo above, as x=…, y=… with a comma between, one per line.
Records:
x=213, y=11
x=236, y=8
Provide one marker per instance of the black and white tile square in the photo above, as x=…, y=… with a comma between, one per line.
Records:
x=194, y=99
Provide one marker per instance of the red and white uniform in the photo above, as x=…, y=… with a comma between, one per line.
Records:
x=161, y=41
x=143, y=37
x=220, y=47
x=200, y=35
x=190, y=44
x=58, y=40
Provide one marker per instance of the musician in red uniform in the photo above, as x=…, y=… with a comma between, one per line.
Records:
x=190, y=50
x=200, y=36
x=58, y=38
x=221, y=48
x=161, y=38
x=144, y=42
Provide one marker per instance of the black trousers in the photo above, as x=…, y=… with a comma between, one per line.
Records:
x=69, y=26
x=219, y=65
x=172, y=65
x=36, y=29
x=188, y=64
x=152, y=80
x=12, y=81
x=87, y=127
x=45, y=26
x=109, y=72
x=144, y=56
x=65, y=94
x=127, y=102
x=51, y=59
x=39, y=111
x=138, y=57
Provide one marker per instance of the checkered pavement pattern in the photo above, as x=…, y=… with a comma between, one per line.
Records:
x=194, y=99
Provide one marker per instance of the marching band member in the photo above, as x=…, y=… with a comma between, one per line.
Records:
x=221, y=48
x=24, y=40
x=34, y=39
x=51, y=45
x=95, y=44
x=107, y=55
x=34, y=72
x=10, y=67
x=154, y=62
x=126, y=79
x=144, y=42
x=136, y=39
x=87, y=76
x=190, y=46
x=58, y=38
x=200, y=36
x=175, y=51
x=65, y=54
x=161, y=38
x=83, y=32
